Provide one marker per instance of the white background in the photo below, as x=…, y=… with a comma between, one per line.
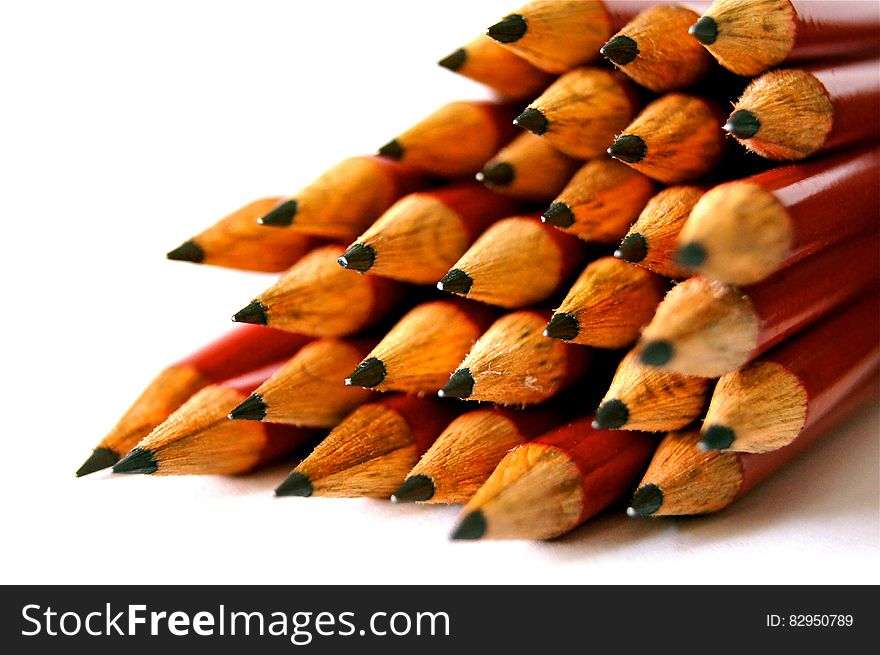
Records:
x=128, y=127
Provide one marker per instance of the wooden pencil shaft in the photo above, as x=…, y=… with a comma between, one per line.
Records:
x=528, y=169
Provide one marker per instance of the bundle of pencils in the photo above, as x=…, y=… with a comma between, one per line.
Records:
x=652, y=299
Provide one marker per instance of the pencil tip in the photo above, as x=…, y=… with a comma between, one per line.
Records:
x=620, y=50
x=252, y=409
x=558, y=214
x=497, y=174
x=138, y=460
x=611, y=415
x=717, y=437
x=100, y=458
x=633, y=248
x=416, y=488
x=509, y=29
x=188, y=251
x=455, y=60
x=281, y=216
x=656, y=353
x=742, y=124
x=563, y=326
x=691, y=254
x=460, y=385
x=358, y=257
x=705, y=30
x=368, y=373
x=392, y=150
x=646, y=500
x=472, y=526
x=456, y=281
x=628, y=148
x=296, y=484
x=254, y=313
x=532, y=120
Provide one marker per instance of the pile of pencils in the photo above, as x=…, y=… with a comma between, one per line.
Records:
x=714, y=276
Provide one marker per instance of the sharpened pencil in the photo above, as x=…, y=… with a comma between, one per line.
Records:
x=551, y=485
x=372, y=450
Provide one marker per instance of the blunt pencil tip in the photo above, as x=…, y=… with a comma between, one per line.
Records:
x=472, y=526
x=558, y=214
x=620, y=50
x=563, y=326
x=254, y=313
x=456, y=281
x=296, y=484
x=281, y=216
x=628, y=148
x=646, y=500
x=532, y=120
x=416, y=488
x=633, y=248
x=691, y=254
x=705, y=30
x=509, y=29
x=392, y=150
x=498, y=174
x=611, y=415
x=138, y=460
x=188, y=251
x=460, y=385
x=358, y=257
x=368, y=373
x=742, y=124
x=101, y=458
x=252, y=409
x=656, y=353
x=717, y=437
x=455, y=60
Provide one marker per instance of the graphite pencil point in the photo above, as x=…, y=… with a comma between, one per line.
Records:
x=656, y=353
x=509, y=29
x=705, y=30
x=611, y=415
x=392, y=150
x=252, y=409
x=137, y=461
x=472, y=526
x=646, y=500
x=742, y=124
x=499, y=174
x=562, y=326
x=369, y=373
x=297, y=484
x=532, y=120
x=460, y=385
x=559, y=214
x=633, y=248
x=100, y=458
x=414, y=489
x=691, y=255
x=281, y=216
x=456, y=281
x=628, y=148
x=455, y=60
x=254, y=313
x=717, y=437
x=188, y=251
x=620, y=50
x=359, y=257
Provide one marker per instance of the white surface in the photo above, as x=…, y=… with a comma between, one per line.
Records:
x=128, y=127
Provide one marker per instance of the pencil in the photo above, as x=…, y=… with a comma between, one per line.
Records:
x=528, y=169
x=707, y=328
x=766, y=404
x=551, y=485
x=513, y=363
x=676, y=138
x=608, y=305
x=643, y=398
x=743, y=231
x=318, y=298
x=372, y=450
x=655, y=51
x=308, y=391
x=557, y=35
x=455, y=140
x=683, y=479
x=198, y=438
x=243, y=349
x=518, y=261
x=749, y=37
x=467, y=452
x=344, y=200
x=420, y=352
x=423, y=234
x=509, y=75
x=237, y=241
x=791, y=114
x=580, y=113
x=651, y=240
x=601, y=201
